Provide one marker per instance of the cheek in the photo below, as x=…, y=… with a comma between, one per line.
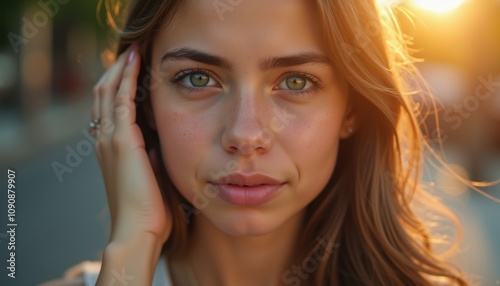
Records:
x=313, y=134
x=185, y=140
x=180, y=133
x=312, y=143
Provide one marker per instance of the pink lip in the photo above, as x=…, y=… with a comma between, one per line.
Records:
x=243, y=189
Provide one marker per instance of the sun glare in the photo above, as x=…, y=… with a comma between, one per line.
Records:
x=388, y=3
x=438, y=5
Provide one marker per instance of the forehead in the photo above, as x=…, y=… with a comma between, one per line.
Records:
x=244, y=27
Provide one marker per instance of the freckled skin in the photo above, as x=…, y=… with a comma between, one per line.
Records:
x=202, y=132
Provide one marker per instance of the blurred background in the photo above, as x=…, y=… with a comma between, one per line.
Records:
x=51, y=54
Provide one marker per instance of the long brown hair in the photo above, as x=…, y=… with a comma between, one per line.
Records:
x=367, y=208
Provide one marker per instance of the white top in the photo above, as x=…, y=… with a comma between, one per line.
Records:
x=161, y=276
x=90, y=272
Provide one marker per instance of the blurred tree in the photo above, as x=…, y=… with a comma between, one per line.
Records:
x=68, y=12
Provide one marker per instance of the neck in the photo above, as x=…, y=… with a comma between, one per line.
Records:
x=218, y=258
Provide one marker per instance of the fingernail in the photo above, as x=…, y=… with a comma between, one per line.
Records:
x=131, y=56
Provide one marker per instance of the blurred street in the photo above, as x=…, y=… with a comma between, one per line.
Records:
x=53, y=52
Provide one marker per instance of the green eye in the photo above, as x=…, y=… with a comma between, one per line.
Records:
x=199, y=79
x=296, y=83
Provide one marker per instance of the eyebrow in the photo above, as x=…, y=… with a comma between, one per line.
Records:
x=197, y=56
x=294, y=60
x=266, y=64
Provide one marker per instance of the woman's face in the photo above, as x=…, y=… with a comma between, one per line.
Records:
x=247, y=89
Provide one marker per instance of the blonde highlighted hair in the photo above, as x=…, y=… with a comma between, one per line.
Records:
x=367, y=207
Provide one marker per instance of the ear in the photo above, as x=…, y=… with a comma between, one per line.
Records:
x=349, y=123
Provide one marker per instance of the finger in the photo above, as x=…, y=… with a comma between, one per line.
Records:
x=111, y=86
x=96, y=108
x=95, y=104
x=98, y=87
x=124, y=102
x=94, y=113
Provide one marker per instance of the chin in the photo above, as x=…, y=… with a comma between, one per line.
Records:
x=247, y=222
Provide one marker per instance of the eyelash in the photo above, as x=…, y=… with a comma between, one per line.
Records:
x=303, y=93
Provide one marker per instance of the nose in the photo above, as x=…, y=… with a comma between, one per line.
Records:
x=245, y=133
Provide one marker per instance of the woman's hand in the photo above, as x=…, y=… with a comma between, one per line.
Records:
x=136, y=204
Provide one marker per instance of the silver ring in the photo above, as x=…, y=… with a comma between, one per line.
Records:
x=93, y=126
